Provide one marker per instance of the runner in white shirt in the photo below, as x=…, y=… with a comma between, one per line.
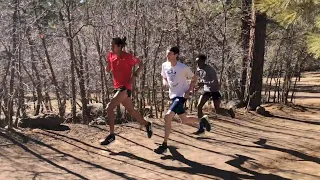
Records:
x=175, y=75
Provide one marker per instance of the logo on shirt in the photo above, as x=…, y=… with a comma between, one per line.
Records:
x=171, y=77
x=171, y=71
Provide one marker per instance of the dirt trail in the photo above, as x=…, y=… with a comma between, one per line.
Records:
x=249, y=147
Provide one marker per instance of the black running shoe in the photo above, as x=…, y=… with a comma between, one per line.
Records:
x=200, y=131
x=149, y=129
x=109, y=139
x=204, y=120
x=231, y=112
x=161, y=149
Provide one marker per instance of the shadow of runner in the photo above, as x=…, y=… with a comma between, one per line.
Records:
x=186, y=144
x=118, y=135
x=41, y=157
x=78, y=159
x=195, y=167
x=262, y=142
x=239, y=160
x=94, y=147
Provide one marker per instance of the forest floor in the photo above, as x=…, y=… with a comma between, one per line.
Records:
x=250, y=146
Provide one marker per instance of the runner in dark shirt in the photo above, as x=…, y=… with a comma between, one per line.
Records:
x=209, y=81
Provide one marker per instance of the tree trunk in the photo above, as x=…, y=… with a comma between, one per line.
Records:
x=257, y=59
x=87, y=74
x=271, y=71
x=73, y=83
x=143, y=88
x=245, y=37
x=278, y=82
x=223, y=46
x=154, y=80
x=61, y=106
x=286, y=82
x=34, y=68
x=135, y=93
x=4, y=90
x=288, y=69
x=69, y=35
x=176, y=17
x=298, y=70
x=102, y=73
x=15, y=46
x=20, y=109
x=81, y=78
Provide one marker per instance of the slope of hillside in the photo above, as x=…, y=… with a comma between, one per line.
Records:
x=248, y=147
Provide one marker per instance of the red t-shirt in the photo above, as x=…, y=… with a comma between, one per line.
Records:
x=121, y=68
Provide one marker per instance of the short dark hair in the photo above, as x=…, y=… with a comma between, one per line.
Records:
x=202, y=57
x=120, y=41
x=175, y=50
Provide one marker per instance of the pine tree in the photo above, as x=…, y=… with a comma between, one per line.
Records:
x=299, y=12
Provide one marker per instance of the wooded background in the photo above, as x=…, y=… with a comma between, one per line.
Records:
x=53, y=52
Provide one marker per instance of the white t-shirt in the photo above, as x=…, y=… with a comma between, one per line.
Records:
x=177, y=77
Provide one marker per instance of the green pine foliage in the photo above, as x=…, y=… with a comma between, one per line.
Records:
x=298, y=12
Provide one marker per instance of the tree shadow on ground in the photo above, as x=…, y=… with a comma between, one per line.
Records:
x=123, y=175
x=307, y=88
x=295, y=107
x=306, y=97
x=262, y=142
x=239, y=160
x=211, y=140
x=260, y=128
x=60, y=137
x=301, y=88
x=194, y=168
x=297, y=120
x=40, y=156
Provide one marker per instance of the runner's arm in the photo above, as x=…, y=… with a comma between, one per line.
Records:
x=194, y=79
x=165, y=81
x=108, y=67
x=193, y=83
x=164, y=77
x=140, y=68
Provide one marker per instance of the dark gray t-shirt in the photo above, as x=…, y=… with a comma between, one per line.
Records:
x=208, y=76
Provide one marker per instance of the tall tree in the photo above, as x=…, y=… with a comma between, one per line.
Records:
x=37, y=82
x=245, y=38
x=256, y=56
x=68, y=29
x=15, y=46
x=81, y=77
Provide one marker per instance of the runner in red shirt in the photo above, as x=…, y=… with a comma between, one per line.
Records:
x=120, y=64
